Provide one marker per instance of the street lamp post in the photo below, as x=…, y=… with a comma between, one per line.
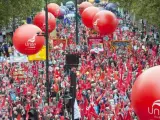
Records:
x=47, y=54
x=76, y=22
x=73, y=74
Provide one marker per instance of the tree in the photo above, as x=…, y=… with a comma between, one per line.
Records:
x=64, y=1
x=143, y=9
x=18, y=9
x=58, y=1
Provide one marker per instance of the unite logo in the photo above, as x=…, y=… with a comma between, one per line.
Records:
x=31, y=42
x=154, y=110
x=95, y=24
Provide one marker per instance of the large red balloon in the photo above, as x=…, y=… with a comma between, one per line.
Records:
x=83, y=6
x=39, y=20
x=105, y=22
x=88, y=15
x=145, y=96
x=54, y=9
x=26, y=41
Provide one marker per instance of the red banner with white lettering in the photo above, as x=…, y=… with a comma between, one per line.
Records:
x=59, y=44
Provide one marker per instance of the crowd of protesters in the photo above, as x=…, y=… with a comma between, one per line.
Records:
x=104, y=79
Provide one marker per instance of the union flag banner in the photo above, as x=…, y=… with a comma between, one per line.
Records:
x=95, y=44
x=115, y=45
x=59, y=44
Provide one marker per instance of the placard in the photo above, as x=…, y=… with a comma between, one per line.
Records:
x=95, y=44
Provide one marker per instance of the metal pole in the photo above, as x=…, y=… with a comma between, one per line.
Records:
x=77, y=38
x=73, y=90
x=47, y=48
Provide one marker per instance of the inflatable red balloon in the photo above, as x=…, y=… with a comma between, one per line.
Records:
x=145, y=95
x=88, y=15
x=105, y=22
x=54, y=9
x=83, y=6
x=39, y=20
x=26, y=41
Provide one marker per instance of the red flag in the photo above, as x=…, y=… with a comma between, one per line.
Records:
x=113, y=117
x=36, y=70
x=28, y=107
x=116, y=76
x=45, y=109
x=59, y=105
x=102, y=76
x=24, y=90
x=92, y=112
x=128, y=116
x=85, y=106
x=79, y=95
x=139, y=70
x=109, y=72
x=121, y=105
x=82, y=69
x=81, y=106
x=129, y=77
x=19, y=117
x=102, y=107
x=3, y=103
x=57, y=73
x=120, y=117
x=88, y=85
x=27, y=110
x=120, y=78
x=101, y=96
x=117, y=109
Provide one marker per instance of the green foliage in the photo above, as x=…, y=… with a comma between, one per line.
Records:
x=10, y=9
x=18, y=8
x=60, y=1
x=143, y=9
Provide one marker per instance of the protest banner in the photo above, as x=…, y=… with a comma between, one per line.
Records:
x=95, y=44
x=59, y=44
x=41, y=55
x=16, y=57
x=120, y=43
